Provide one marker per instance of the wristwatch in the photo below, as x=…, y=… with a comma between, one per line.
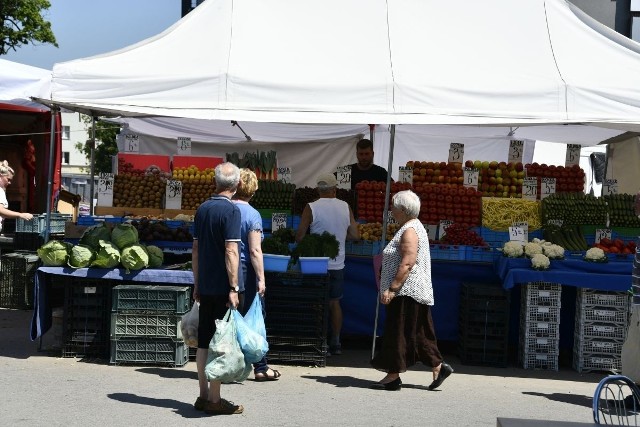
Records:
x=235, y=289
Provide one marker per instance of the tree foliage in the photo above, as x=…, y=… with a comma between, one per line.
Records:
x=23, y=23
x=106, y=146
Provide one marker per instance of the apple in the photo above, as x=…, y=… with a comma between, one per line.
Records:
x=498, y=172
x=499, y=180
x=492, y=180
x=506, y=180
x=485, y=165
x=493, y=165
x=468, y=164
x=502, y=165
x=477, y=164
x=505, y=194
x=499, y=188
x=521, y=174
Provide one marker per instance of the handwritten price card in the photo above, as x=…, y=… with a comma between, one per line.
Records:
x=573, y=155
x=456, y=152
x=184, y=146
x=609, y=186
x=343, y=175
x=405, y=174
x=548, y=187
x=284, y=175
x=173, y=195
x=278, y=221
x=105, y=189
x=470, y=176
x=516, y=148
x=524, y=226
x=131, y=143
x=530, y=188
x=442, y=228
x=603, y=233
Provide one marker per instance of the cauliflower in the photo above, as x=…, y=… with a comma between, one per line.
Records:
x=596, y=255
x=553, y=251
x=540, y=262
x=531, y=249
x=512, y=249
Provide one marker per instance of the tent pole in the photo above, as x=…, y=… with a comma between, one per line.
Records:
x=385, y=221
x=52, y=146
x=371, y=132
x=93, y=155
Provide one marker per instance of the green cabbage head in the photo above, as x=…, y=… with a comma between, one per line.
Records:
x=107, y=255
x=134, y=257
x=53, y=253
x=156, y=256
x=124, y=235
x=94, y=234
x=81, y=256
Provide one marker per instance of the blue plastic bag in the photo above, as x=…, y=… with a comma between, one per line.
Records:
x=255, y=317
x=253, y=344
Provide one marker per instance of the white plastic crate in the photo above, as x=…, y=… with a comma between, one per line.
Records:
x=598, y=345
x=541, y=294
x=536, y=313
x=602, y=314
x=592, y=297
x=539, y=330
x=601, y=330
x=540, y=345
x=539, y=361
x=596, y=362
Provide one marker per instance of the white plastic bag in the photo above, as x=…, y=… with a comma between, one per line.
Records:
x=225, y=361
x=189, y=325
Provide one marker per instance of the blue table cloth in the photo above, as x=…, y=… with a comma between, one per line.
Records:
x=41, y=320
x=611, y=276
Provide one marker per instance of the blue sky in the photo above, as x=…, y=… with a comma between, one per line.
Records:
x=91, y=27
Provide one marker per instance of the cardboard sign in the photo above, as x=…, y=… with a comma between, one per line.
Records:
x=530, y=188
x=456, y=152
x=603, y=233
x=547, y=187
x=442, y=227
x=516, y=234
x=516, y=148
x=609, y=186
x=343, y=175
x=573, y=155
x=432, y=230
x=131, y=144
x=105, y=189
x=278, y=221
x=471, y=177
x=173, y=195
x=284, y=175
x=184, y=146
x=405, y=174
x=524, y=226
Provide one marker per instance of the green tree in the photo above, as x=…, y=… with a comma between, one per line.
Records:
x=23, y=23
x=106, y=146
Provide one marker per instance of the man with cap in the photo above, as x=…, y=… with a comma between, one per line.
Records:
x=333, y=216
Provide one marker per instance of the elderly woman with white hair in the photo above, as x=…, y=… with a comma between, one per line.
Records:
x=406, y=290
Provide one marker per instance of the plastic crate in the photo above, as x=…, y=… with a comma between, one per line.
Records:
x=598, y=345
x=539, y=361
x=539, y=330
x=39, y=223
x=586, y=330
x=497, y=239
x=448, y=252
x=149, y=351
x=596, y=362
x=541, y=294
x=483, y=291
x=592, y=297
x=17, y=279
x=483, y=357
x=174, y=299
x=540, y=345
x=27, y=241
x=536, y=313
x=280, y=340
x=363, y=247
x=297, y=355
x=146, y=325
x=481, y=253
x=602, y=314
x=483, y=328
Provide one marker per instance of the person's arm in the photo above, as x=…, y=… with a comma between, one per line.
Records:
x=305, y=222
x=255, y=253
x=352, y=231
x=8, y=213
x=194, y=267
x=231, y=262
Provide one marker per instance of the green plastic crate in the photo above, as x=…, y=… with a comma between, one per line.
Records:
x=175, y=299
x=149, y=351
x=134, y=324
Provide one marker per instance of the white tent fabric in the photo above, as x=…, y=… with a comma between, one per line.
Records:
x=19, y=82
x=495, y=62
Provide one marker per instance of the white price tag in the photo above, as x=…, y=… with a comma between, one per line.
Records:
x=343, y=175
x=524, y=226
x=105, y=189
x=278, y=221
x=557, y=222
x=547, y=187
x=405, y=174
x=432, y=230
x=516, y=234
x=442, y=227
x=284, y=175
x=390, y=218
x=530, y=188
x=609, y=186
x=573, y=155
x=456, y=152
x=516, y=148
x=603, y=233
x=184, y=146
x=471, y=176
x=131, y=143
x=173, y=195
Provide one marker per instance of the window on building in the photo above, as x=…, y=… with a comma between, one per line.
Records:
x=66, y=132
x=65, y=157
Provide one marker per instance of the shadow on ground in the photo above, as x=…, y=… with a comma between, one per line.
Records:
x=572, y=399
x=184, y=409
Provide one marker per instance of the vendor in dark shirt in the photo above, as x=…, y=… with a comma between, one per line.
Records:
x=364, y=169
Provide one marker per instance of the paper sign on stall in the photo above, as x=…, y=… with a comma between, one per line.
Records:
x=278, y=221
x=284, y=175
x=131, y=143
x=547, y=187
x=343, y=175
x=390, y=218
x=609, y=186
x=405, y=174
x=432, y=230
x=173, y=195
x=516, y=234
x=603, y=233
x=442, y=227
x=516, y=148
x=530, y=188
x=184, y=146
x=573, y=155
x=105, y=189
x=471, y=176
x=456, y=152
x=524, y=226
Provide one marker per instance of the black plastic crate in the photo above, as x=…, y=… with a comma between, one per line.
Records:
x=149, y=351
x=483, y=357
x=483, y=291
x=295, y=278
x=296, y=329
x=297, y=355
x=27, y=241
x=17, y=279
x=318, y=344
x=141, y=297
x=86, y=344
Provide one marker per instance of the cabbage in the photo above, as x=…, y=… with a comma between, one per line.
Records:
x=80, y=256
x=124, y=235
x=94, y=234
x=107, y=255
x=134, y=257
x=156, y=256
x=53, y=253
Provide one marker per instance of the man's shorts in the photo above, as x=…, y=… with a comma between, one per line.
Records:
x=212, y=307
x=336, y=279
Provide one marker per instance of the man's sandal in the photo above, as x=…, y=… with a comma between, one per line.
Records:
x=264, y=376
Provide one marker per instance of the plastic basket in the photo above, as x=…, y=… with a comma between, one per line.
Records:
x=277, y=263
x=602, y=314
x=297, y=355
x=596, y=362
x=17, y=279
x=364, y=247
x=145, y=325
x=539, y=361
x=39, y=223
x=448, y=252
x=591, y=297
x=483, y=291
x=481, y=253
x=598, y=346
x=149, y=351
x=540, y=345
x=536, y=313
x=600, y=330
x=174, y=299
x=314, y=265
x=539, y=330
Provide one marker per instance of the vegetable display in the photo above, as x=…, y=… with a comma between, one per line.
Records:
x=371, y=195
x=568, y=236
x=107, y=255
x=621, y=209
x=53, y=253
x=317, y=245
x=449, y=202
x=197, y=185
x=459, y=234
x=273, y=195
x=616, y=246
x=263, y=163
x=574, y=209
x=499, y=214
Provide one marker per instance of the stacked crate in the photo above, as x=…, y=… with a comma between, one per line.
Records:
x=17, y=279
x=600, y=331
x=145, y=324
x=483, y=324
x=540, y=325
x=297, y=313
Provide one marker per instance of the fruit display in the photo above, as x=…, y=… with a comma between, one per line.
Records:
x=449, y=202
x=568, y=179
x=616, y=246
x=574, y=209
x=273, y=195
x=621, y=209
x=568, y=236
x=149, y=230
x=138, y=191
x=371, y=198
x=373, y=231
x=458, y=234
x=304, y=195
x=436, y=172
x=499, y=214
x=498, y=179
x=197, y=185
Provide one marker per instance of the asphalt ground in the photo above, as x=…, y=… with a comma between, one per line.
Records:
x=39, y=388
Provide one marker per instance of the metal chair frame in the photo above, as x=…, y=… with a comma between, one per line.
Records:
x=609, y=404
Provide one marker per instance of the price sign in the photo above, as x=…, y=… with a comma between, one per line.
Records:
x=456, y=152
x=442, y=227
x=105, y=189
x=516, y=148
x=547, y=187
x=603, y=233
x=557, y=222
x=131, y=143
x=343, y=175
x=390, y=218
x=432, y=230
x=609, y=186
x=284, y=175
x=184, y=145
x=524, y=226
x=173, y=195
x=471, y=177
x=530, y=188
x=278, y=221
x=573, y=155
x=405, y=174
x=516, y=234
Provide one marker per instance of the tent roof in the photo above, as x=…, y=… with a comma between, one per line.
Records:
x=19, y=82
x=494, y=62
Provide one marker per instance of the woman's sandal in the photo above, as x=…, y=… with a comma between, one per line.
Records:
x=264, y=376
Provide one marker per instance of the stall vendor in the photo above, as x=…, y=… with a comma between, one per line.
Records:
x=6, y=175
x=365, y=169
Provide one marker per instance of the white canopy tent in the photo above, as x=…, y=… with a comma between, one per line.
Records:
x=19, y=82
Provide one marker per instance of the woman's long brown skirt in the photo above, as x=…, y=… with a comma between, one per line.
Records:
x=409, y=337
